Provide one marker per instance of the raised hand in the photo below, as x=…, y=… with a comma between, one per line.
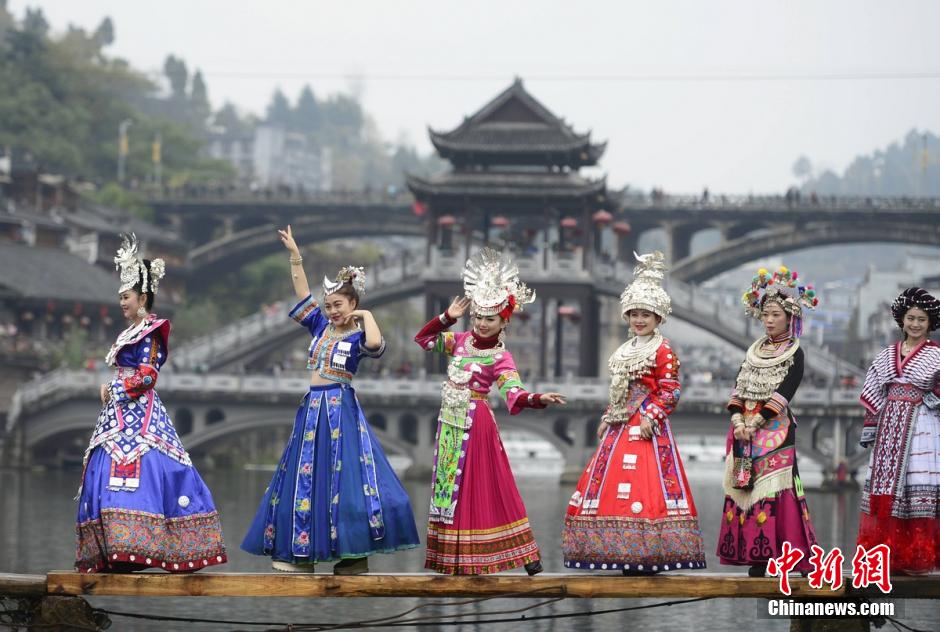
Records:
x=552, y=398
x=351, y=317
x=287, y=238
x=458, y=307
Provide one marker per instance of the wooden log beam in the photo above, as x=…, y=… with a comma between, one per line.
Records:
x=429, y=585
x=12, y=585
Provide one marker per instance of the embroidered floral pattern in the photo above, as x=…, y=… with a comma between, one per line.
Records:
x=623, y=540
x=175, y=544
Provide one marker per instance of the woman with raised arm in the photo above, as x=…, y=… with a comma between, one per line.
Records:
x=477, y=522
x=764, y=502
x=632, y=509
x=334, y=495
x=142, y=504
x=901, y=396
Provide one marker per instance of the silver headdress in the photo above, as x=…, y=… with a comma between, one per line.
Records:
x=491, y=282
x=133, y=270
x=646, y=291
x=355, y=276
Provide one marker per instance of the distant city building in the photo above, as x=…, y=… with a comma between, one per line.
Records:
x=883, y=285
x=875, y=324
x=271, y=157
x=291, y=159
x=236, y=148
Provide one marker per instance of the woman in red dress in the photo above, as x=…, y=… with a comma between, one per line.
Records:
x=901, y=497
x=633, y=509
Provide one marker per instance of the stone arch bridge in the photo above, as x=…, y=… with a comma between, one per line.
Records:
x=246, y=339
x=227, y=231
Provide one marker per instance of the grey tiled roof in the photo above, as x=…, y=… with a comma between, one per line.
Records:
x=53, y=273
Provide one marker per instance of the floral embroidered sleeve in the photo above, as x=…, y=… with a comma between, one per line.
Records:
x=150, y=354
x=662, y=401
x=786, y=390
x=307, y=313
x=434, y=335
x=511, y=387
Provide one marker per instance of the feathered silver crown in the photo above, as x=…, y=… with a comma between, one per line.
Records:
x=355, y=276
x=131, y=265
x=491, y=282
x=646, y=291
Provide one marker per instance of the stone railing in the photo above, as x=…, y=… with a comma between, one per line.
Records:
x=60, y=385
x=773, y=202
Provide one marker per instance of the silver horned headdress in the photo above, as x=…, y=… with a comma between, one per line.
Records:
x=491, y=282
x=133, y=270
x=646, y=291
x=355, y=276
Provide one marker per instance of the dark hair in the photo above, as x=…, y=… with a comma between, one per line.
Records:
x=919, y=298
x=347, y=290
x=140, y=284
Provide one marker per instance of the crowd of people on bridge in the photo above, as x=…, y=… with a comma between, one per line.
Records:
x=334, y=498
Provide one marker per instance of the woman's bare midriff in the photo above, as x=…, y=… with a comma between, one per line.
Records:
x=317, y=380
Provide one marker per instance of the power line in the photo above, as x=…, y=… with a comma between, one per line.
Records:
x=607, y=78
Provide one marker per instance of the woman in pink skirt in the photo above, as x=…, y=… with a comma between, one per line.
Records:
x=764, y=502
x=477, y=522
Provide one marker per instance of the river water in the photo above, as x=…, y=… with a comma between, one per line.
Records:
x=37, y=535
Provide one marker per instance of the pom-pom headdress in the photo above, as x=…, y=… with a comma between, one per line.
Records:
x=491, y=282
x=646, y=291
x=920, y=298
x=355, y=276
x=782, y=288
x=133, y=269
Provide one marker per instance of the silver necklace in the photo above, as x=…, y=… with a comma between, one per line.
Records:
x=473, y=350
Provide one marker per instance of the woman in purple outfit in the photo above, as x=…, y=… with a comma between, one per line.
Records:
x=764, y=502
x=142, y=503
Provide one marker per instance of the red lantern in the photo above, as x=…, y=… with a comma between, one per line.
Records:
x=602, y=217
x=569, y=222
x=499, y=221
x=621, y=228
x=419, y=208
x=446, y=220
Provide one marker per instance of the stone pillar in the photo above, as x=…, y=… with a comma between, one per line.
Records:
x=431, y=302
x=626, y=245
x=228, y=225
x=574, y=453
x=423, y=452
x=680, y=242
x=589, y=336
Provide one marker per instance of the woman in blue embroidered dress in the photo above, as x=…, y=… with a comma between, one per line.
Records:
x=334, y=495
x=142, y=503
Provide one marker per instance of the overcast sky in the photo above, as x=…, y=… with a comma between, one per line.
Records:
x=724, y=94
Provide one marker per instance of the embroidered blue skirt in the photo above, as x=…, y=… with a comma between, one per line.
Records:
x=334, y=494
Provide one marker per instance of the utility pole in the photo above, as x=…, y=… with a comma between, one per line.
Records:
x=123, y=148
x=156, y=154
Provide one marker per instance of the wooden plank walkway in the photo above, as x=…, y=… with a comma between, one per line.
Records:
x=692, y=585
